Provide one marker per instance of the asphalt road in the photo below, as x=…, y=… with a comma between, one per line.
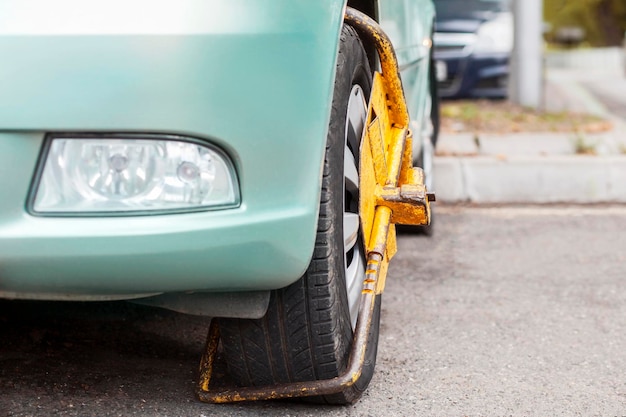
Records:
x=505, y=311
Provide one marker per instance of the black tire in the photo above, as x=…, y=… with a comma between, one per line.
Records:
x=306, y=333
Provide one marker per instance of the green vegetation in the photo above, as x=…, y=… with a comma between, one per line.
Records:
x=603, y=21
x=583, y=147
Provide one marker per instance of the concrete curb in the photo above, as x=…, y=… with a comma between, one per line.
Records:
x=540, y=167
x=531, y=168
x=531, y=179
x=612, y=142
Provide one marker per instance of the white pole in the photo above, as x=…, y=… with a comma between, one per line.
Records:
x=527, y=57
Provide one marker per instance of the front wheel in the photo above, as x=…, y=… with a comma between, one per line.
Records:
x=307, y=331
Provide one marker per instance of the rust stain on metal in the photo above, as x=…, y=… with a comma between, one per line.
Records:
x=392, y=192
x=207, y=361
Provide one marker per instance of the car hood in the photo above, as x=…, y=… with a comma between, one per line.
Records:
x=458, y=25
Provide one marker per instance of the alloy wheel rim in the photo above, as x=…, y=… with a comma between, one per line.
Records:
x=354, y=254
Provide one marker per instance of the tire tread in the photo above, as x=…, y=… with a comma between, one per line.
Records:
x=306, y=332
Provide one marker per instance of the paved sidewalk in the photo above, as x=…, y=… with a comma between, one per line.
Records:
x=544, y=167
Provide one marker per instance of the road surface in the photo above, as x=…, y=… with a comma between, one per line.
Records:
x=516, y=311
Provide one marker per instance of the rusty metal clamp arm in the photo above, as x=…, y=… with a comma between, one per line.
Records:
x=392, y=191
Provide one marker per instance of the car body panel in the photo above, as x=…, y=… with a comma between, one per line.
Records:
x=252, y=77
x=475, y=75
x=409, y=25
x=218, y=250
x=257, y=85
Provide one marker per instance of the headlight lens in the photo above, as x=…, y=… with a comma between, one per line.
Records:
x=129, y=175
x=495, y=36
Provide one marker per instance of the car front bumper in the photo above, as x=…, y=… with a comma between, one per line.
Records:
x=256, y=83
x=475, y=75
x=247, y=248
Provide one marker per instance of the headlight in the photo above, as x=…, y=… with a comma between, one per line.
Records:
x=495, y=35
x=132, y=174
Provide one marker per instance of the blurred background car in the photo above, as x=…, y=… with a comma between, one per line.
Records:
x=473, y=43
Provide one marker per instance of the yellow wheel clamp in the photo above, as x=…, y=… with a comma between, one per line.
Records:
x=392, y=192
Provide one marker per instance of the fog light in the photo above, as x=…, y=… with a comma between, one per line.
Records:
x=133, y=174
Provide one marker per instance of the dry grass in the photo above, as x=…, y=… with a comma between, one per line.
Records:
x=499, y=116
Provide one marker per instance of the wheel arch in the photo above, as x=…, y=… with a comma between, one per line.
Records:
x=370, y=8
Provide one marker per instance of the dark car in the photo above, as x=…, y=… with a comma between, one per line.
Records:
x=473, y=43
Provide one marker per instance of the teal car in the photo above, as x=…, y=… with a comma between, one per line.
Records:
x=202, y=156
